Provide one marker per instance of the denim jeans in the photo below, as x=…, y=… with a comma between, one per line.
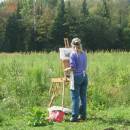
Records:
x=79, y=96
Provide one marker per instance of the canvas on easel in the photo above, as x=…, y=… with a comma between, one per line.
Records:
x=64, y=56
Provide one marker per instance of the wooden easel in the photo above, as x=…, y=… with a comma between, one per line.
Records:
x=58, y=84
x=66, y=42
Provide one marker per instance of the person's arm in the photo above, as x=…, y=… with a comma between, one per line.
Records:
x=72, y=63
x=68, y=69
x=85, y=66
x=86, y=61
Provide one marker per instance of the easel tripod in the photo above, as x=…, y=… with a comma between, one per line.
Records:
x=58, y=84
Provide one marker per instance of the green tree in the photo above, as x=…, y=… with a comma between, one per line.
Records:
x=58, y=26
x=2, y=32
x=71, y=22
x=126, y=38
x=84, y=9
x=14, y=32
x=100, y=24
x=96, y=33
x=103, y=9
x=52, y=3
x=43, y=30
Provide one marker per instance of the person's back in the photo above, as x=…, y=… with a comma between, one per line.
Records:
x=78, y=62
x=78, y=88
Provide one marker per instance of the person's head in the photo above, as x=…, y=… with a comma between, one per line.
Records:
x=76, y=44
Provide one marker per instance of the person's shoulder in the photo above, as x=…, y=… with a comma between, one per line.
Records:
x=84, y=53
x=85, y=50
x=73, y=54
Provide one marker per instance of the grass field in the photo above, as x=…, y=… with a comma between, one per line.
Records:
x=25, y=81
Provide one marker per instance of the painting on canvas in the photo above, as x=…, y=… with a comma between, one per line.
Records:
x=65, y=53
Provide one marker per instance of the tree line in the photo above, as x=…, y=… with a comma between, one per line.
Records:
x=42, y=25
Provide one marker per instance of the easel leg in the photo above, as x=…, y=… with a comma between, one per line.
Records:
x=52, y=99
x=63, y=93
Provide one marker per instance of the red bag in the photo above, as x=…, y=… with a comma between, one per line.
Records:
x=56, y=116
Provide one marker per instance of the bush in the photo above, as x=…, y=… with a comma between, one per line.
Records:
x=38, y=117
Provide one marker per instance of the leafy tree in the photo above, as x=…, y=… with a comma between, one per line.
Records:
x=71, y=22
x=14, y=33
x=43, y=36
x=84, y=9
x=2, y=32
x=58, y=26
x=103, y=9
x=97, y=34
x=52, y=3
x=100, y=24
x=126, y=38
x=106, y=12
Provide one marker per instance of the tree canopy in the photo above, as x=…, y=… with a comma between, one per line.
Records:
x=42, y=25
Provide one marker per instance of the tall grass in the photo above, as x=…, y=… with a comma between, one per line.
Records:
x=25, y=80
x=109, y=79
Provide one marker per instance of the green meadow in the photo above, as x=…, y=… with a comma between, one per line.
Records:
x=25, y=79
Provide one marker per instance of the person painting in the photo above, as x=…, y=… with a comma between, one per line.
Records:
x=78, y=64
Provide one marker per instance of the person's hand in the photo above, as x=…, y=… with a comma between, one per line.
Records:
x=67, y=69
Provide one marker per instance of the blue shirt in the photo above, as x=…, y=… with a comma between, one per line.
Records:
x=78, y=62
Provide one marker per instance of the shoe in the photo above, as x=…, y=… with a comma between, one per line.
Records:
x=82, y=118
x=74, y=119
